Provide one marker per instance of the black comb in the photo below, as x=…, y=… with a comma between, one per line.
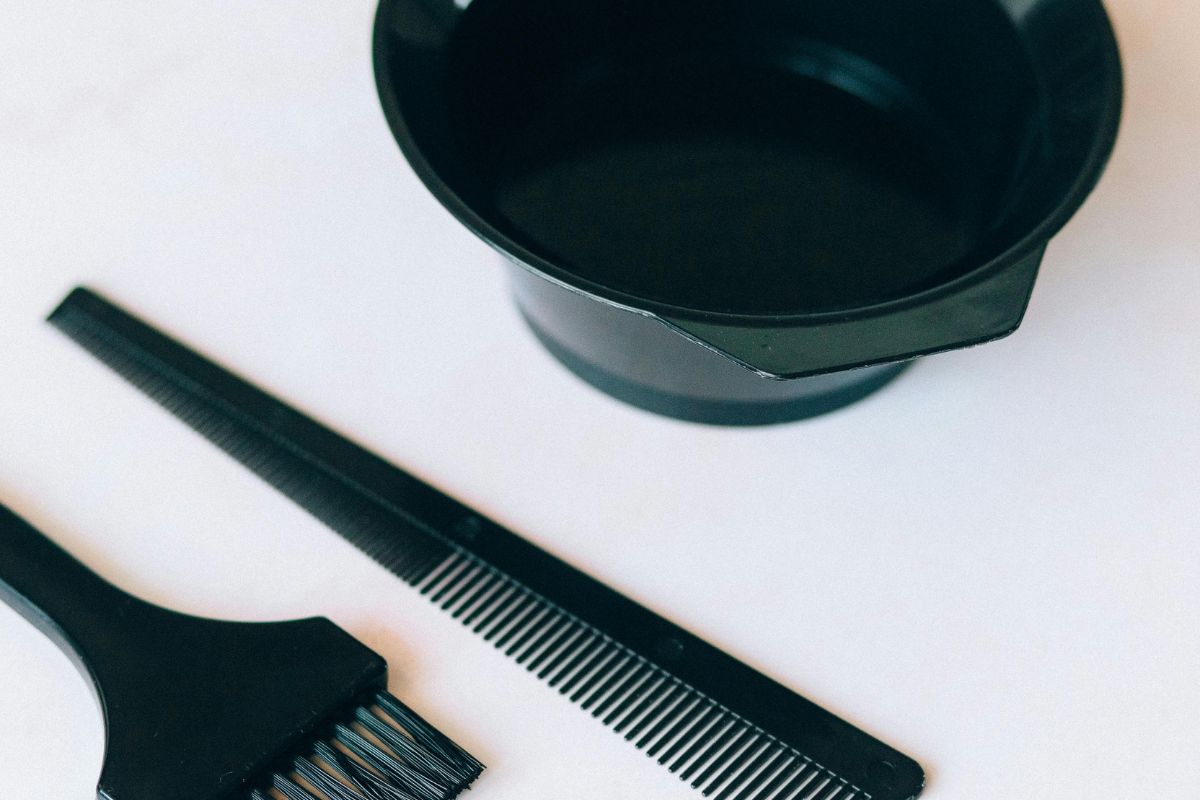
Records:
x=199, y=709
x=726, y=729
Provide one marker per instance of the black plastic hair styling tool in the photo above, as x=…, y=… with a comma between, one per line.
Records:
x=199, y=709
x=728, y=730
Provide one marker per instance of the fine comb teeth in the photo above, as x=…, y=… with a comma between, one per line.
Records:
x=200, y=709
x=729, y=731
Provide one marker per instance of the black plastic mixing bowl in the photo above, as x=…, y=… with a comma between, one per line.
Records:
x=746, y=211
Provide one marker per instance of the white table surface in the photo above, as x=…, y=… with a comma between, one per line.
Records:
x=992, y=565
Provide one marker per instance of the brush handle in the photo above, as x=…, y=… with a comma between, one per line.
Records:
x=68, y=602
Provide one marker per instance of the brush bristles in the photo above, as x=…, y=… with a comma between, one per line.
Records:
x=386, y=752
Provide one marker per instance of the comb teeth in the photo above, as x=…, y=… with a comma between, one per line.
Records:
x=384, y=752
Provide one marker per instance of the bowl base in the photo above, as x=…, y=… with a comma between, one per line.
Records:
x=802, y=399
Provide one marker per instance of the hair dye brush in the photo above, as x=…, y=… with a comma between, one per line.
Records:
x=199, y=709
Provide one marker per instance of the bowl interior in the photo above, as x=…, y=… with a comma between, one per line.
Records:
x=762, y=157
